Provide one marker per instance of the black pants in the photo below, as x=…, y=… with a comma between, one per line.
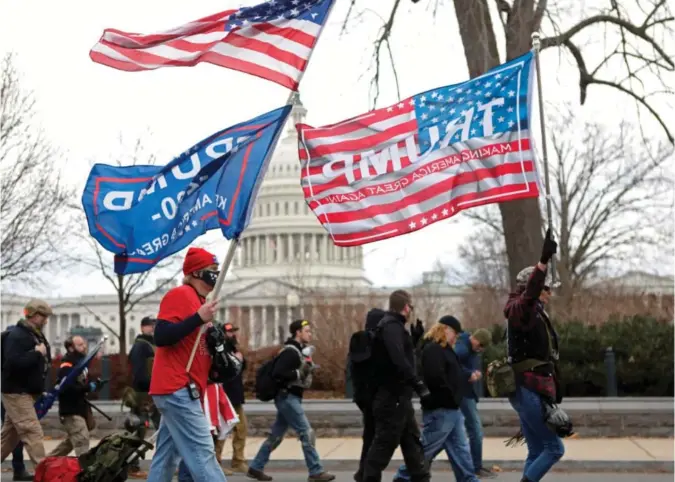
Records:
x=395, y=425
x=367, y=437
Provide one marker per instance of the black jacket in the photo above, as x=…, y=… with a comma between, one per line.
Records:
x=25, y=369
x=528, y=325
x=394, y=356
x=287, y=368
x=442, y=375
x=72, y=397
x=141, y=351
x=235, y=388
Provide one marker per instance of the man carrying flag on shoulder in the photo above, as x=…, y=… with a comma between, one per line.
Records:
x=180, y=374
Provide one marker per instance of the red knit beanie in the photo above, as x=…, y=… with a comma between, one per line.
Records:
x=196, y=259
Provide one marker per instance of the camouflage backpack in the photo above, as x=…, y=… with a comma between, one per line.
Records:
x=110, y=460
x=500, y=378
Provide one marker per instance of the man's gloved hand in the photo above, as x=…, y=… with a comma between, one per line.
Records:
x=549, y=249
x=417, y=330
x=97, y=385
x=422, y=390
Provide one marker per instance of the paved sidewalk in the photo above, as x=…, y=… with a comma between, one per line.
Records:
x=347, y=449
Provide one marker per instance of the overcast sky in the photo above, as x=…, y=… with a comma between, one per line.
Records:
x=84, y=107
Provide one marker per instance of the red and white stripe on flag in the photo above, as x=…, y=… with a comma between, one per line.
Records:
x=272, y=40
x=377, y=176
x=219, y=412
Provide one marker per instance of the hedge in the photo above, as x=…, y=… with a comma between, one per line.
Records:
x=643, y=348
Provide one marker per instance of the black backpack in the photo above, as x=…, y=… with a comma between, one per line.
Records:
x=361, y=362
x=266, y=387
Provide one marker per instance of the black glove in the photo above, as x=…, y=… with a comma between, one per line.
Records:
x=550, y=248
x=422, y=390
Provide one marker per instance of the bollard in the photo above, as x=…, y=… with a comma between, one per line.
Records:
x=105, y=375
x=480, y=386
x=349, y=388
x=610, y=368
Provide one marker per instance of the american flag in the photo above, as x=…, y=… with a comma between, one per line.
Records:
x=398, y=169
x=273, y=40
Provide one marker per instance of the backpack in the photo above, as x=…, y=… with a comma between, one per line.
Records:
x=361, y=362
x=500, y=377
x=110, y=460
x=266, y=387
x=57, y=469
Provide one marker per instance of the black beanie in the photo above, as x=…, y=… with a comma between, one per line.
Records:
x=452, y=322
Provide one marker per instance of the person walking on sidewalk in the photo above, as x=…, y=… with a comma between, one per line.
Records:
x=443, y=422
x=74, y=411
x=18, y=465
x=27, y=360
x=180, y=374
x=468, y=347
x=533, y=352
x=294, y=371
x=235, y=392
x=395, y=381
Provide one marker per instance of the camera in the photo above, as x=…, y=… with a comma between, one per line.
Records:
x=225, y=365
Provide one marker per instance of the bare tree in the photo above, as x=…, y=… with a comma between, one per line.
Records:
x=35, y=220
x=634, y=31
x=612, y=197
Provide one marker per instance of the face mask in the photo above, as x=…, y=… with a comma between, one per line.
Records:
x=209, y=277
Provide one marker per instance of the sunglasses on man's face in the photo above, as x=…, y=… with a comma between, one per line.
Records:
x=547, y=288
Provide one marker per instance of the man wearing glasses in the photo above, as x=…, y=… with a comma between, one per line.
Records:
x=468, y=348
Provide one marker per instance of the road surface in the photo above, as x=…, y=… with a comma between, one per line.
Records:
x=280, y=476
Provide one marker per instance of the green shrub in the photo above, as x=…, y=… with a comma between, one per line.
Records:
x=643, y=349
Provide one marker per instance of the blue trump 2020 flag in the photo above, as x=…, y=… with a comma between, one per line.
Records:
x=145, y=213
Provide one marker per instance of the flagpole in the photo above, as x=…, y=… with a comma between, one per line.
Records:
x=232, y=249
x=536, y=47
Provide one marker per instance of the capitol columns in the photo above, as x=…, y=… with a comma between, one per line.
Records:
x=278, y=337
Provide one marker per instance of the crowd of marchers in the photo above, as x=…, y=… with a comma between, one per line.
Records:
x=392, y=360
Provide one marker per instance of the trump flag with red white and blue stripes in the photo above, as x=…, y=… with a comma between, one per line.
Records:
x=401, y=168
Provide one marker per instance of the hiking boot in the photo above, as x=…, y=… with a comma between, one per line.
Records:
x=226, y=471
x=322, y=477
x=257, y=475
x=240, y=468
x=484, y=473
x=23, y=476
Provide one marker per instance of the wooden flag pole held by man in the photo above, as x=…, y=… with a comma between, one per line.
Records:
x=536, y=46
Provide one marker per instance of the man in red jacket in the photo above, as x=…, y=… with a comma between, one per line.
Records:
x=180, y=373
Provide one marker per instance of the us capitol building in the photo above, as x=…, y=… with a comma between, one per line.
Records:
x=286, y=267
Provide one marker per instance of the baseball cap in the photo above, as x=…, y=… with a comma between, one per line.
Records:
x=297, y=325
x=483, y=336
x=37, y=307
x=230, y=327
x=148, y=321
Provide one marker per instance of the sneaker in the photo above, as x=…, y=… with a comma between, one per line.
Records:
x=257, y=474
x=23, y=476
x=322, y=477
x=484, y=473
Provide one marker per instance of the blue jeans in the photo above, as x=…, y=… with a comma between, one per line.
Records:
x=183, y=434
x=444, y=430
x=474, y=429
x=544, y=448
x=17, y=455
x=289, y=414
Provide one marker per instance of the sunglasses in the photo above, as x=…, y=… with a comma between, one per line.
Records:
x=547, y=288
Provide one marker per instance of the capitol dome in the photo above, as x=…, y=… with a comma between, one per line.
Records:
x=284, y=240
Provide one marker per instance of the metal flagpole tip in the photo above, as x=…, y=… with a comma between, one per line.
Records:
x=536, y=40
x=105, y=337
